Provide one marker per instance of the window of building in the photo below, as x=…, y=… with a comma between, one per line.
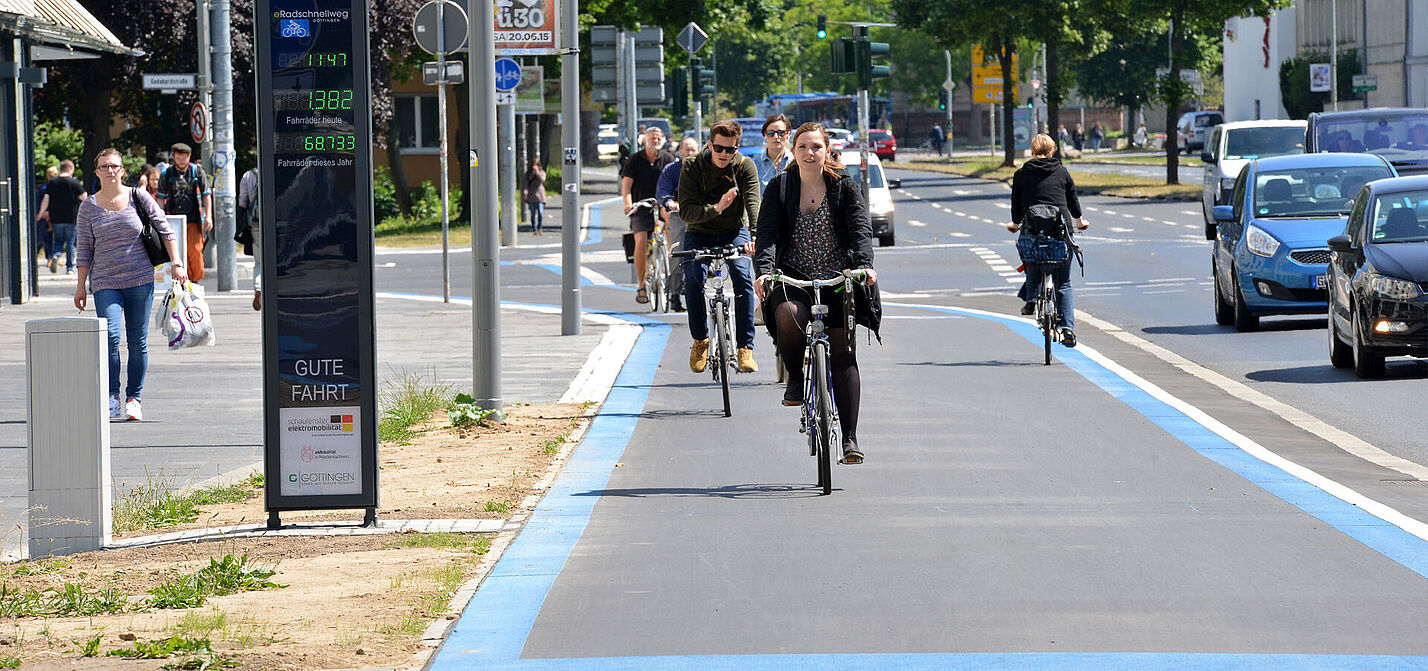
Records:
x=417, y=123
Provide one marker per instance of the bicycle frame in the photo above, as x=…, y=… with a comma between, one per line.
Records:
x=721, y=353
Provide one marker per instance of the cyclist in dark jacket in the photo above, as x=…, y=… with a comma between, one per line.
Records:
x=1044, y=181
x=813, y=224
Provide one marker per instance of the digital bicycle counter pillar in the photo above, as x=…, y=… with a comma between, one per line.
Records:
x=315, y=195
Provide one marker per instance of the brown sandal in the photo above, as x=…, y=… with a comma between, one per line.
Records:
x=641, y=296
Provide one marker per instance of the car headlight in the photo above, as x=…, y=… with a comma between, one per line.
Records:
x=1392, y=287
x=881, y=207
x=1259, y=242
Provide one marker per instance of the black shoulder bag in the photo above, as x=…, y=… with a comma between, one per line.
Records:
x=153, y=242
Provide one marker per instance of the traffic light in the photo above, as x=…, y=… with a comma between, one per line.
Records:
x=942, y=99
x=700, y=80
x=844, y=56
x=867, y=50
x=680, y=92
x=822, y=26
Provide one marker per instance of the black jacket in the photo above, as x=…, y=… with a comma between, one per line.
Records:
x=851, y=224
x=1043, y=181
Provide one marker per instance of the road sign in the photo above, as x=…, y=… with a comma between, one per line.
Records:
x=1365, y=83
x=949, y=85
x=530, y=93
x=990, y=94
x=988, y=75
x=981, y=57
x=527, y=27
x=169, y=83
x=692, y=38
x=433, y=19
x=508, y=74
x=505, y=97
x=431, y=73
x=198, y=122
x=1319, y=76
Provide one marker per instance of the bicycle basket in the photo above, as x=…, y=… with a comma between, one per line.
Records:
x=1041, y=249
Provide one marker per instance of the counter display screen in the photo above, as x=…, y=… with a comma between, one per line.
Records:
x=315, y=185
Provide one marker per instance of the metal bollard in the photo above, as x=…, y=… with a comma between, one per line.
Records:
x=71, y=495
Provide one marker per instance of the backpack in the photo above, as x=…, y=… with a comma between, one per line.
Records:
x=182, y=189
x=1045, y=220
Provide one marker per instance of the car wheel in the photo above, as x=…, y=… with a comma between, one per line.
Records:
x=1244, y=320
x=1340, y=353
x=1224, y=312
x=1368, y=364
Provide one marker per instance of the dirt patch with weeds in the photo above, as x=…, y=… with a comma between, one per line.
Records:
x=344, y=601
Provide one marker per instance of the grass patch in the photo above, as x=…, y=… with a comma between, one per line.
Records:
x=463, y=411
x=69, y=599
x=88, y=648
x=440, y=540
x=42, y=566
x=482, y=546
x=221, y=577
x=408, y=401
x=498, y=507
x=552, y=446
x=201, y=624
x=11, y=662
x=1135, y=157
x=153, y=506
x=1124, y=186
x=191, y=653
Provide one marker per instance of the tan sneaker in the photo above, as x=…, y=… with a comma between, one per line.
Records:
x=746, y=360
x=699, y=355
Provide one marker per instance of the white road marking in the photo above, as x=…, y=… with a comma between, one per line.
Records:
x=960, y=214
x=1297, y=417
x=1004, y=206
x=1128, y=216
x=959, y=234
x=914, y=222
x=1190, y=212
x=1109, y=212
x=1151, y=219
x=1118, y=229
x=1345, y=441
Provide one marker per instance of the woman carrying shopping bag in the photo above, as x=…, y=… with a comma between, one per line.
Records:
x=112, y=262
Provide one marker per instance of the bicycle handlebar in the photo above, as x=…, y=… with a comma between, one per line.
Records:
x=859, y=275
x=646, y=204
x=722, y=252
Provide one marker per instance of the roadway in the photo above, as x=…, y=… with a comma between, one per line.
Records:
x=1151, y=500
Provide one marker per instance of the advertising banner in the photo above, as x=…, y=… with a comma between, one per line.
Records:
x=527, y=27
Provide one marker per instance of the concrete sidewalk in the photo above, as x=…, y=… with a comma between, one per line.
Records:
x=203, y=406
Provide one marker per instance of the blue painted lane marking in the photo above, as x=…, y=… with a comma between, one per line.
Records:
x=504, y=609
x=1380, y=536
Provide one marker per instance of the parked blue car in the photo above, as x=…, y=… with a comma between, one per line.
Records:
x=1271, y=251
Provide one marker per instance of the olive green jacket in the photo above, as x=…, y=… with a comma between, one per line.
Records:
x=701, y=185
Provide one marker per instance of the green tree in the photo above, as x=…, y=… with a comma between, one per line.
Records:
x=55, y=143
x=1123, y=72
x=1299, y=101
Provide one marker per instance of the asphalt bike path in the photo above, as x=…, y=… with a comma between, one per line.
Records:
x=1009, y=514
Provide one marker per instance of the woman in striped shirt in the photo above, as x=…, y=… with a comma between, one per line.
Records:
x=112, y=260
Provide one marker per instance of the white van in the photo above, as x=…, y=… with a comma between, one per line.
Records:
x=1231, y=145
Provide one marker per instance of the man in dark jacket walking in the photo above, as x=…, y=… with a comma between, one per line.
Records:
x=719, y=201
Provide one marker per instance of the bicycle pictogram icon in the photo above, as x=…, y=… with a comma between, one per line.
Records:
x=296, y=28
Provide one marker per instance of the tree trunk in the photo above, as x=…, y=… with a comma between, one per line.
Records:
x=1053, y=95
x=399, y=172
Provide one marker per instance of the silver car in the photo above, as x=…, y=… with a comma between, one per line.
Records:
x=1230, y=146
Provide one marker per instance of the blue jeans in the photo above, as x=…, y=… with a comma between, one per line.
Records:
x=44, y=239
x=132, y=305
x=64, y=241
x=1064, y=302
x=741, y=273
x=537, y=216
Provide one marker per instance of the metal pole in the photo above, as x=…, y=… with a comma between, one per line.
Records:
x=445, y=177
x=485, y=248
x=205, y=96
x=863, y=141
x=632, y=103
x=698, y=109
x=507, y=136
x=570, y=170
x=224, y=177
x=1334, y=53
x=951, y=89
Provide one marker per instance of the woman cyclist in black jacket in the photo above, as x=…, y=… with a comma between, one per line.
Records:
x=1044, y=181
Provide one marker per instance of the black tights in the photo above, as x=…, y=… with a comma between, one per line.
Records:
x=789, y=319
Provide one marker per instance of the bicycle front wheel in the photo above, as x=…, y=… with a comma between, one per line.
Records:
x=653, y=281
x=823, y=417
x=1048, y=320
x=723, y=352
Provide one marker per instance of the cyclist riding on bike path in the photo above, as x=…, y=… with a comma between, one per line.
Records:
x=1044, y=181
x=638, y=180
x=718, y=201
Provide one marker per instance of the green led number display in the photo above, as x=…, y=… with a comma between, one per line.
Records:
x=335, y=99
x=291, y=142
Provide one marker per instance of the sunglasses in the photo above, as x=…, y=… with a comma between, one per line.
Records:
x=776, y=133
x=721, y=149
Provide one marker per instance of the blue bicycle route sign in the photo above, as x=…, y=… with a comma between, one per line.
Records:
x=508, y=74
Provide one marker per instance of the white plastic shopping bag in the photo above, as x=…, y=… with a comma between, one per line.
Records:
x=183, y=317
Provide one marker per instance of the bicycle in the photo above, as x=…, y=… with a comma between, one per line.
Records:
x=820, y=414
x=722, y=359
x=1048, y=255
x=657, y=273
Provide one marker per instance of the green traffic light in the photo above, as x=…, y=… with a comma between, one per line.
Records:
x=822, y=26
x=822, y=34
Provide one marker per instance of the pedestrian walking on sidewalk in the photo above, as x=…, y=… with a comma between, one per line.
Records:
x=44, y=235
x=113, y=264
x=183, y=190
x=63, y=194
x=937, y=138
x=535, y=195
x=250, y=230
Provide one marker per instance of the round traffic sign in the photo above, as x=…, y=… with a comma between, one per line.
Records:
x=198, y=123
x=438, y=19
x=508, y=74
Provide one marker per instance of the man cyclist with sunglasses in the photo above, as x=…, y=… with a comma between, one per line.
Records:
x=775, y=157
x=719, y=201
